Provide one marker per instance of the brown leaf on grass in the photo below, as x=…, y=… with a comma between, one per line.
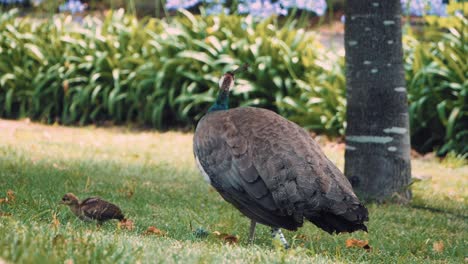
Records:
x=58, y=240
x=438, y=246
x=126, y=224
x=230, y=239
x=351, y=242
x=55, y=222
x=11, y=195
x=4, y=214
x=127, y=192
x=9, y=198
x=302, y=237
x=154, y=231
x=57, y=166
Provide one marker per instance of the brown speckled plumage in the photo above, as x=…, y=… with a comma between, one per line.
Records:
x=274, y=172
x=93, y=208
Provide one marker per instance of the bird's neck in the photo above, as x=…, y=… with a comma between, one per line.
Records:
x=222, y=101
x=75, y=208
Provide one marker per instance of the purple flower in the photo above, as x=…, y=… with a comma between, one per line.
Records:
x=184, y=4
x=216, y=9
x=11, y=2
x=262, y=9
x=317, y=6
x=72, y=6
x=424, y=7
x=256, y=8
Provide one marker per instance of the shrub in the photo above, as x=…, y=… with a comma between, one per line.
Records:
x=160, y=73
x=436, y=73
x=164, y=73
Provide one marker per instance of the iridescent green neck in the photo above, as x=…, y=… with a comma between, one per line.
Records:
x=221, y=103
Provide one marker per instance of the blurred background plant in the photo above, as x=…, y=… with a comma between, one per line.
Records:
x=436, y=72
x=163, y=72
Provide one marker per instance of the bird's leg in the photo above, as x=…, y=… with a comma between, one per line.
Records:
x=252, y=231
x=277, y=231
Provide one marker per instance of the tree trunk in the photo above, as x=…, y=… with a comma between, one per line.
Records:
x=377, y=159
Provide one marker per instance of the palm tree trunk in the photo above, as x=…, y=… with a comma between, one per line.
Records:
x=377, y=159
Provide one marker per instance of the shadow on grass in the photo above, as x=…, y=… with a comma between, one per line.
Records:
x=436, y=210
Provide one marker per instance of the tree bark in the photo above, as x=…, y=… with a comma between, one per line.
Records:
x=377, y=158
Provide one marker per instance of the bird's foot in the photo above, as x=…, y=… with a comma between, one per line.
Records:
x=277, y=232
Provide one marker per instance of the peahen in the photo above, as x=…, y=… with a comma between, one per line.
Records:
x=271, y=170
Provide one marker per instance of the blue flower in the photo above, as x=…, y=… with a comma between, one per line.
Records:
x=11, y=2
x=216, y=9
x=184, y=4
x=261, y=9
x=317, y=6
x=424, y=7
x=72, y=6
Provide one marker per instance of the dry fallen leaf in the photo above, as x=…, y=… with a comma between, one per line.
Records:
x=3, y=200
x=55, y=222
x=58, y=240
x=302, y=237
x=126, y=224
x=438, y=246
x=11, y=195
x=127, y=192
x=231, y=239
x=154, y=231
x=57, y=166
x=351, y=242
x=4, y=214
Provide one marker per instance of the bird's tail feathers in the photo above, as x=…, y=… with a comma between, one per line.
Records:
x=350, y=221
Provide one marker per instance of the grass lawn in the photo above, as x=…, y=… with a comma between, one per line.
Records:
x=153, y=178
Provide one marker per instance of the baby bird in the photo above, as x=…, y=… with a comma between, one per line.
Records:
x=93, y=208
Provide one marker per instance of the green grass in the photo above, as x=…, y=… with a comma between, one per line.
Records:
x=41, y=163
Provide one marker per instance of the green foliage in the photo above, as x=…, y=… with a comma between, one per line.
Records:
x=436, y=72
x=161, y=73
x=164, y=73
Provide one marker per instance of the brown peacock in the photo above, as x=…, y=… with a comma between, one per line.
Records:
x=93, y=208
x=272, y=171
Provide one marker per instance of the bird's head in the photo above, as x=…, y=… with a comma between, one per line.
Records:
x=227, y=80
x=69, y=199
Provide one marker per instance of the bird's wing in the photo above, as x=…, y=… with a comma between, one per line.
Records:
x=96, y=208
x=228, y=157
x=265, y=164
